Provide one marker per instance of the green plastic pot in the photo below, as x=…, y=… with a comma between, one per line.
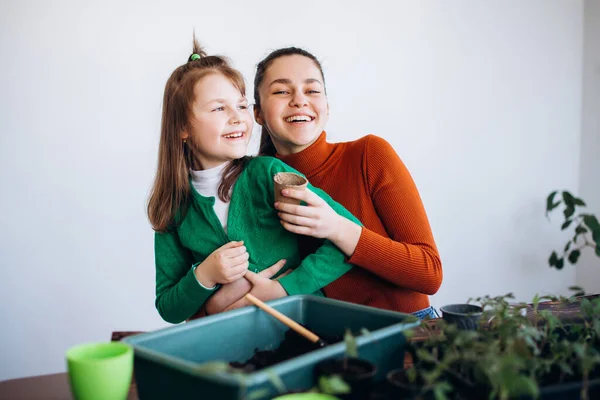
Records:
x=100, y=371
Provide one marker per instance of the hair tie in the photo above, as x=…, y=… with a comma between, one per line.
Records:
x=194, y=57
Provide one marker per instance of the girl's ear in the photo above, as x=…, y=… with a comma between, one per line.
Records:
x=258, y=116
x=184, y=136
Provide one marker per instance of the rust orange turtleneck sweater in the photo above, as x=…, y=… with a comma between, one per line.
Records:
x=397, y=261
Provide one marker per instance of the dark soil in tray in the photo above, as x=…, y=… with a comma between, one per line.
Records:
x=293, y=345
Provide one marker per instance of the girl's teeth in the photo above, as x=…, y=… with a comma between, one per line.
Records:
x=235, y=135
x=298, y=118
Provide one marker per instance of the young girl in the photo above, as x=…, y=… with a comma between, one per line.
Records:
x=212, y=207
x=395, y=250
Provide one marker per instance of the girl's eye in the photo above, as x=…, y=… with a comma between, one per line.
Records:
x=219, y=108
x=313, y=92
x=281, y=92
x=243, y=107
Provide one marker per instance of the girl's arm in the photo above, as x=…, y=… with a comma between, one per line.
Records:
x=327, y=263
x=229, y=294
x=226, y=296
x=409, y=257
x=318, y=219
x=316, y=271
x=178, y=293
x=182, y=288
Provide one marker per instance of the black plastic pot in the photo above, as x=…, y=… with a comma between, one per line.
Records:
x=400, y=386
x=464, y=316
x=356, y=372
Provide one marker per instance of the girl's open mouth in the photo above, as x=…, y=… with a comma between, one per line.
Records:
x=298, y=119
x=234, y=135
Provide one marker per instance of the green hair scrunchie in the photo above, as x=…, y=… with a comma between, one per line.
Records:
x=194, y=57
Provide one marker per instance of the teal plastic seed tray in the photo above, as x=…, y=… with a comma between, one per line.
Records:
x=179, y=362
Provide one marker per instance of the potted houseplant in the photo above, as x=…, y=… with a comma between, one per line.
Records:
x=356, y=372
x=515, y=356
x=585, y=228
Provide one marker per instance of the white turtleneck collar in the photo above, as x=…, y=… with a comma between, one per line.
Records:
x=206, y=179
x=206, y=182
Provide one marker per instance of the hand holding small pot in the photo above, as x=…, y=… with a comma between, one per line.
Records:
x=288, y=180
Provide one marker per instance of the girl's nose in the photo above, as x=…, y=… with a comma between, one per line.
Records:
x=298, y=100
x=236, y=118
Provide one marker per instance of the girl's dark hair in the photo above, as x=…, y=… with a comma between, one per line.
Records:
x=267, y=148
x=171, y=190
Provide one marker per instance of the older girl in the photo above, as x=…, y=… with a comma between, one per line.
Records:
x=399, y=264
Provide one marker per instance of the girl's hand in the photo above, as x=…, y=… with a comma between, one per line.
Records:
x=232, y=292
x=263, y=288
x=316, y=219
x=225, y=265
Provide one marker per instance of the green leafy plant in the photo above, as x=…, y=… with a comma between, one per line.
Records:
x=351, y=346
x=332, y=385
x=335, y=384
x=514, y=354
x=585, y=226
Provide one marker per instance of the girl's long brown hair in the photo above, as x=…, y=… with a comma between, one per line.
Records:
x=170, y=194
x=267, y=148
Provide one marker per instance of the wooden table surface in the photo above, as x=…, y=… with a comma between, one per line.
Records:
x=46, y=387
x=53, y=386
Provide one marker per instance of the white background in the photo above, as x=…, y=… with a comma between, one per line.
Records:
x=484, y=102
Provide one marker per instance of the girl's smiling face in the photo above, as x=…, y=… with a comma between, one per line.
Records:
x=293, y=103
x=221, y=124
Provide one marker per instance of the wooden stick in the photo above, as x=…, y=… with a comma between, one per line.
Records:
x=283, y=319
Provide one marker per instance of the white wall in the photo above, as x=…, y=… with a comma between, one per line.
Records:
x=588, y=268
x=481, y=100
